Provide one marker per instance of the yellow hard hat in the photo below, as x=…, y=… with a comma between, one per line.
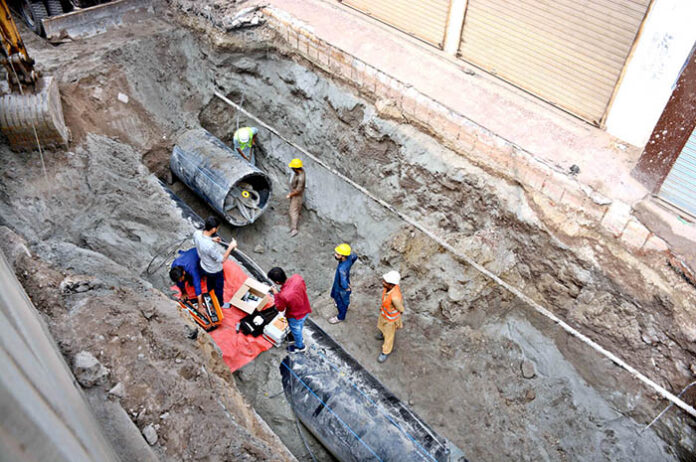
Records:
x=295, y=163
x=343, y=249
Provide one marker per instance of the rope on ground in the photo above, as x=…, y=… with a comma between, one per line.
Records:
x=165, y=256
x=464, y=257
x=668, y=407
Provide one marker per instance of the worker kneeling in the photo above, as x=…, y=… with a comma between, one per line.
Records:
x=186, y=270
x=390, y=313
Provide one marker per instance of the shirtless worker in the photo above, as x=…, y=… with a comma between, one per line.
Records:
x=297, y=187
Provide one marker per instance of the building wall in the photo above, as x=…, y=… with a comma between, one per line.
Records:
x=663, y=46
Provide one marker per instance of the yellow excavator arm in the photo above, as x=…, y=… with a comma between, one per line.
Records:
x=31, y=113
x=15, y=58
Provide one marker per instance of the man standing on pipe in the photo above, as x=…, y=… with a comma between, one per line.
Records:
x=297, y=187
x=244, y=140
x=341, y=289
x=390, y=313
x=211, y=257
x=292, y=299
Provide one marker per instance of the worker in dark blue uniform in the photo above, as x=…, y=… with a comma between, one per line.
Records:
x=186, y=268
x=341, y=289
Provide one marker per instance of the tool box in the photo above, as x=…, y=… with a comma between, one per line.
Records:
x=276, y=330
x=209, y=316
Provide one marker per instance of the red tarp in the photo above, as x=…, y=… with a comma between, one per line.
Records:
x=237, y=349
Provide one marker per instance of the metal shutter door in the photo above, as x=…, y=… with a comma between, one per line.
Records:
x=679, y=187
x=568, y=52
x=425, y=19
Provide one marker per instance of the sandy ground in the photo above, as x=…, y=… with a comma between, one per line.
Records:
x=460, y=358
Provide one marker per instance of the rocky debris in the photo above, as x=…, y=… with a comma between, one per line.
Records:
x=148, y=312
x=117, y=391
x=528, y=369
x=88, y=370
x=76, y=284
x=98, y=94
x=530, y=395
x=680, y=265
x=122, y=97
x=191, y=332
x=222, y=14
x=248, y=17
x=259, y=249
x=13, y=245
x=150, y=434
x=387, y=108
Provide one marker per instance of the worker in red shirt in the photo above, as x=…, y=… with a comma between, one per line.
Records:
x=292, y=299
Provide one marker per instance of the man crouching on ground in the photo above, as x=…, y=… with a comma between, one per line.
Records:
x=186, y=269
x=291, y=298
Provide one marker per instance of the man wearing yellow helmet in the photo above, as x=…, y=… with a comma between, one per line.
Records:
x=341, y=289
x=297, y=187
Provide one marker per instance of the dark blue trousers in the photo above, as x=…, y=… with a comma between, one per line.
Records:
x=215, y=283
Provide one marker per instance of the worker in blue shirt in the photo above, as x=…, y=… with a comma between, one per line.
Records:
x=186, y=268
x=341, y=289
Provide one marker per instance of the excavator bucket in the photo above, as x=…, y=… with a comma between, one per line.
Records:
x=87, y=22
x=37, y=113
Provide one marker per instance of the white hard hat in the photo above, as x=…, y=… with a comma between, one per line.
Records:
x=392, y=277
x=243, y=136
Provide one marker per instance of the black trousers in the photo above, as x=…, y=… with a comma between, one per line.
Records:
x=215, y=283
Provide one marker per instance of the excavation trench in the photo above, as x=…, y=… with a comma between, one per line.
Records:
x=477, y=364
x=473, y=359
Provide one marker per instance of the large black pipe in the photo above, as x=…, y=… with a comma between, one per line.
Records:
x=237, y=190
x=346, y=408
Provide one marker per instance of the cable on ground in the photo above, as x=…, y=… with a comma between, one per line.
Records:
x=668, y=407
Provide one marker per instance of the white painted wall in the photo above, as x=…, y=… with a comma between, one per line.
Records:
x=668, y=36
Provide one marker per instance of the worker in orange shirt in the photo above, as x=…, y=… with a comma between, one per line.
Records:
x=390, y=313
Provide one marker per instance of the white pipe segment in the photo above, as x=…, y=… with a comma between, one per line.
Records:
x=515, y=291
